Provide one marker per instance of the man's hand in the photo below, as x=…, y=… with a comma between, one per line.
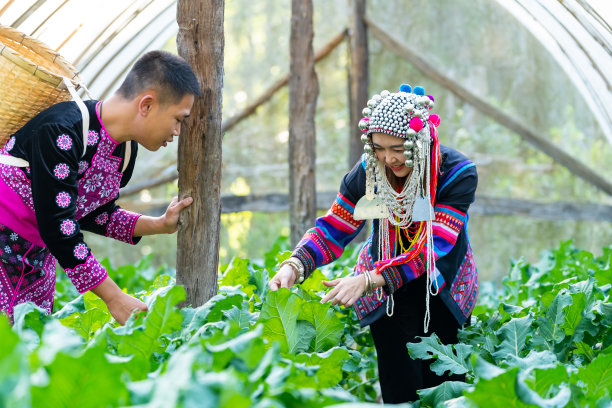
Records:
x=345, y=291
x=165, y=224
x=170, y=219
x=120, y=304
x=285, y=278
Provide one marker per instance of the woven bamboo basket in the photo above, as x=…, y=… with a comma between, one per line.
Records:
x=30, y=79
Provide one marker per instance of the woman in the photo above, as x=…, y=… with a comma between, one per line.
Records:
x=415, y=274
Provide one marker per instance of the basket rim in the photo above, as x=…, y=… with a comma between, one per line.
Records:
x=40, y=48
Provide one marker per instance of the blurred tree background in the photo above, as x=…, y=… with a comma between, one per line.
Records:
x=475, y=42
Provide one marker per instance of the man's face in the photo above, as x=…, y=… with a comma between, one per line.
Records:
x=165, y=123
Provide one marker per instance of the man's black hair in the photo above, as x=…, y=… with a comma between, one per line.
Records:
x=163, y=71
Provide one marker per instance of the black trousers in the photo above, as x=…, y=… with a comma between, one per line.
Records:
x=400, y=376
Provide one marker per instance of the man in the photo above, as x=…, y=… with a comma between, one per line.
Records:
x=71, y=181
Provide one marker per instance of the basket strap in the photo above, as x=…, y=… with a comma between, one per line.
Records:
x=83, y=108
x=127, y=155
x=13, y=161
x=17, y=162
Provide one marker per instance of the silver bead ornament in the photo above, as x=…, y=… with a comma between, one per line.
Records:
x=408, y=154
x=367, y=148
x=408, y=144
x=385, y=93
x=371, y=103
x=411, y=132
x=366, y=112
x=377, y=98
x=409, y=163
x=363, y=125
x=409, y=108
x=364, y=138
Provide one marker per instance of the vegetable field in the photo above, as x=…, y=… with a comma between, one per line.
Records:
x=542, y=338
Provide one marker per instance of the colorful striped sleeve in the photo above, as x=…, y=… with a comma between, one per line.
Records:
x=325, y=242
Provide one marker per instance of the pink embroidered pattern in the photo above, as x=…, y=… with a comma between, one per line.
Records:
x=63, y=199
x=102, y=218
x=61, y=171
x=93, y=183
x=10, y=144
x=64, y=142
x=68, y=227
x=101, y=181
x=87, y=275
x=121, y=225
x=83, y=165
x=80, y=251
x=92, y=138
x=40, y=292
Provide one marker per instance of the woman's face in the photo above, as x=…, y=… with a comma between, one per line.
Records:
x=390, y=151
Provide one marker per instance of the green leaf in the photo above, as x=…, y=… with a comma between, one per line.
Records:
x=29, y=321
x=529, y=396
x=14, y=370
x=329, y=368
x=143, y=340
x=597, y=376
x=314, y=283
x=279, y=316
x=604, y=274
x=514, y=336
x=240, y=317
x=436, y=396
x=239, y=272
x=56, y=339
x=431, y=347
x=550, y=326
x=249, y=347
x=88, y=322
x=497, y=392
x=328, y=327
x=546, y=378
x=540, y=359
x=89, y=380
x=573, y=313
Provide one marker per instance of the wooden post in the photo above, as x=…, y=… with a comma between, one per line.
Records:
x=200, y=41
x=303, y=92
x=358, y=77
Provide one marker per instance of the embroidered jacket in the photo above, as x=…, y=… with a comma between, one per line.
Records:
x=455, y=272
x=62, y=192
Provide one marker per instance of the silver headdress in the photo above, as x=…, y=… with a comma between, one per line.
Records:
x=404, y=114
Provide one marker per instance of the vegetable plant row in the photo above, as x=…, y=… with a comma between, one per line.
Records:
x=541, y=339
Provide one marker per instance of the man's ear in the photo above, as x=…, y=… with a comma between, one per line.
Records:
x=146, y=102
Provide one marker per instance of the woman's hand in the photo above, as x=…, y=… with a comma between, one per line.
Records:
x=284, y=278
x=345, y=291
x=120, y=304
x=169, y=220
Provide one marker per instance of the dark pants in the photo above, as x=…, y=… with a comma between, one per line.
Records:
x=400, y=376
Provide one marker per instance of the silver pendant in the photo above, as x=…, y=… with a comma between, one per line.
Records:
x=421, y=210
x=370, y=209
